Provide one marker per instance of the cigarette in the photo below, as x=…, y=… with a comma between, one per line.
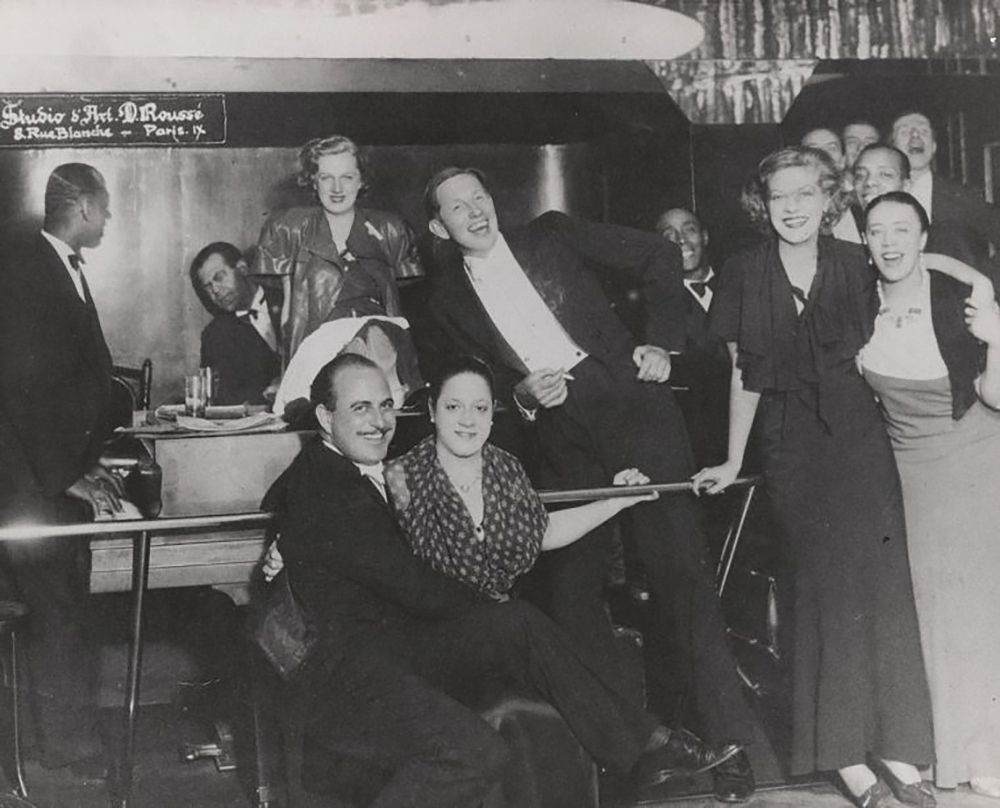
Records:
x=569, y=377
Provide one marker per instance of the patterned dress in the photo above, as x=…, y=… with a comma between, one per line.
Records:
x=488, y=557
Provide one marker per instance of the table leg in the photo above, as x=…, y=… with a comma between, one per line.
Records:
x=140, y=580
x=732, y=541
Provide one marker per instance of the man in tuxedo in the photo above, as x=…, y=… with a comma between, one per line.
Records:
x=702, y=372
x=530, y=304
x=396, y=640
x=55, y=381
x=241, y=343
x=945, y=200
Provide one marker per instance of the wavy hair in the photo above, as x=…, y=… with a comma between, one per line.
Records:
x=755, y=192
x=320, y=147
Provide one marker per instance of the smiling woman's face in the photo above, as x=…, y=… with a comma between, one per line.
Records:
x=895, y=239
x=796, y=203
x=463, y=414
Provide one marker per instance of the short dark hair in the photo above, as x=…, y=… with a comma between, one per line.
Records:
x=456, y=365
x=755, y=192
x=320, y=147
x=904, y=161
x=67, y=185
x=903, y=198
x=230, y=253
x=431, y=205
x=321, y=391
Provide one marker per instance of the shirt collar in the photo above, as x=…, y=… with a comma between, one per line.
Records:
x=373, y=470
x=61, y=247
x=706, y=279
x=477, y=265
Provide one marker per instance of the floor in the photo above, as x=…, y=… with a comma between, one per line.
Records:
x=189, y=660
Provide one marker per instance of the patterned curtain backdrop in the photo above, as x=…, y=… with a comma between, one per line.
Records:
x=720, y=91
x=843, y=29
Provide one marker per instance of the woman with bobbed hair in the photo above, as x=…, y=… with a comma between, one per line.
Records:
x=466, y=506
x=795, y=311
x=934, y=360
x=339, y=262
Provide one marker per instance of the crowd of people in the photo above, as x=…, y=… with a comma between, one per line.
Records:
x=855, y=347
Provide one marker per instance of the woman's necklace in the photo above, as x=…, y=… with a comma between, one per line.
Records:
x=902, y=312
x=466, y=487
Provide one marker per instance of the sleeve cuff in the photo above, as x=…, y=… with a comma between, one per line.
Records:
x=528, y=415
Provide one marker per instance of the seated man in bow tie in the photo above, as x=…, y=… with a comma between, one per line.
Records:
x=241, y=342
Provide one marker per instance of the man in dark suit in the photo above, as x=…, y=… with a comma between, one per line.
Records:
x=241, y=343
x=530, y=304
x=701, y=373
x=945, y=200
x=396, y=639
x=55, y=380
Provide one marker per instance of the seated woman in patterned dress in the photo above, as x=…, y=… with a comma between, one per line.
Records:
x=466, y=506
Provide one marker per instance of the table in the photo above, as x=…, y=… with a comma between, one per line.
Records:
x=203, y=475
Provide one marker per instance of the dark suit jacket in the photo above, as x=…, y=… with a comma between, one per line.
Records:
x=55, y=375
x=701, y=376
x=965, y=208
x=347, y=561
x=564, y=257
x=245, y=363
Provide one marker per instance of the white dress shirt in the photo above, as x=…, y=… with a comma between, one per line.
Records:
x=65, y=251
x=260, y=319
x=519, y=312
x=704, y=300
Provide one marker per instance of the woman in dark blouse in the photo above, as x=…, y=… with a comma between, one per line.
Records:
x=795, y=311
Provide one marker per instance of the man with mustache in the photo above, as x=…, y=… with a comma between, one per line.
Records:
x=944, y=200
x=396, y=639
x=241, y=343
x=530, y=304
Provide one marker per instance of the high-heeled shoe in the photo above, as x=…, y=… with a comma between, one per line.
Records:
x=919, y=794
x=877, y=795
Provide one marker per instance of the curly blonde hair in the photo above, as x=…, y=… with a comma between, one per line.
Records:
x=831, y=182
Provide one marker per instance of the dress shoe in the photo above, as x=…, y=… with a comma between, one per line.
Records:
x=681, y=753
x=732, y=780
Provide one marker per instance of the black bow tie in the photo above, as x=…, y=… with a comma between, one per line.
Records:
x=75, y=260
x=699, y=287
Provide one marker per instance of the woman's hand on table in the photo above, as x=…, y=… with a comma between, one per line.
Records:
x=715, y=479
x=273, y=562
x=632, y=477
